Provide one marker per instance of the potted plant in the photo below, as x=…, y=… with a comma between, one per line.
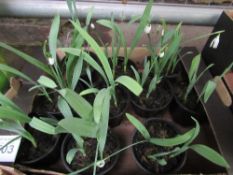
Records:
x=186, y=102
x=89, y=139
x=36, y=147
x=159, y=147
x=119, y=101
x=156, y=95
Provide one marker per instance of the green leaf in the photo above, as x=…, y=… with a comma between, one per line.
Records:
x=71, y=154
x=136, y=74
x=42, y=126
x=89, y=91
x=87, y=58
x=28, y=58
x=79, y=126
x=103, y=124
x=194, y=67
x=64, y=108
x=47, y=82
x=78, y=103
x=79, y=141
x=152, y=85
x=89, y=16
x=140, y=29
x=8, y=113
x=53, y=34
x=226, y=70
x=209, y=89
x=77, y=72
x=139, y=126
x=210, y=155
x=103, y=59
x=16, y=127
x=130, y=83
x=145, y=73
x=7, y=102
x=98, y=105
x=178, y=140
x=14, y=71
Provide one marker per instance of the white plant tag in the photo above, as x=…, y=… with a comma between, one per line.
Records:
x=9, y=152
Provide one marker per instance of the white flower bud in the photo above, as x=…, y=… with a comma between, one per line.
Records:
x=161, y=54
x=92, y=26
x=214, y=43
x=147, y=29
x=51, y=61
x=162, y=32
x=100, y=163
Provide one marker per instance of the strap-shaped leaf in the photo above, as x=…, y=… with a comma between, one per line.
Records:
x=210, y=155
x=8, y=113
x=89, y=91
x=103, y=124
x=140, y=29
x=130, y=83
x=136, y=74
x=103, y=59
x=87, y=58
x=53, y=34
x=64, y=108
x=7, y=102
x=168, y=142
x=35, y=62
x=98, y=105
x=139, y=126
x=80, y=127
x=14, y=71
x=16, y=127
x=77, y=72
x=194, y=67
x=71, y=154
x=42, y=126
x=78, y=103
x=208, y=90
x=47, y=82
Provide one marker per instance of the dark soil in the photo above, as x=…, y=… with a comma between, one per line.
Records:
x=191, y=102
x=41, y=104
x=142, y=151
x=28, y=152
x=119, y=70
x=157, y=99
x=80, y=161
x=122, y=102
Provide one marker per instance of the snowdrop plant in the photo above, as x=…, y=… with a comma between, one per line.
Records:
x=194, y=76
x=119, y=38
x=178, y=144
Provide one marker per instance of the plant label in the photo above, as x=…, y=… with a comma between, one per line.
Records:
x=9, y=146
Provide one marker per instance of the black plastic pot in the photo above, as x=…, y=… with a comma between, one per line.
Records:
x=49, y=155
x=182, y=114
x=173, y=164
x=147, y=112
x=64, y=149
x=116, y=118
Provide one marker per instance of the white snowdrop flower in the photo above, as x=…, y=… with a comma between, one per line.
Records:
x=100, y=163
x=92, y=26
x=214, y=43
x=162, y=32
x=51, y=61
x=161, y=54
x=147, y=29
